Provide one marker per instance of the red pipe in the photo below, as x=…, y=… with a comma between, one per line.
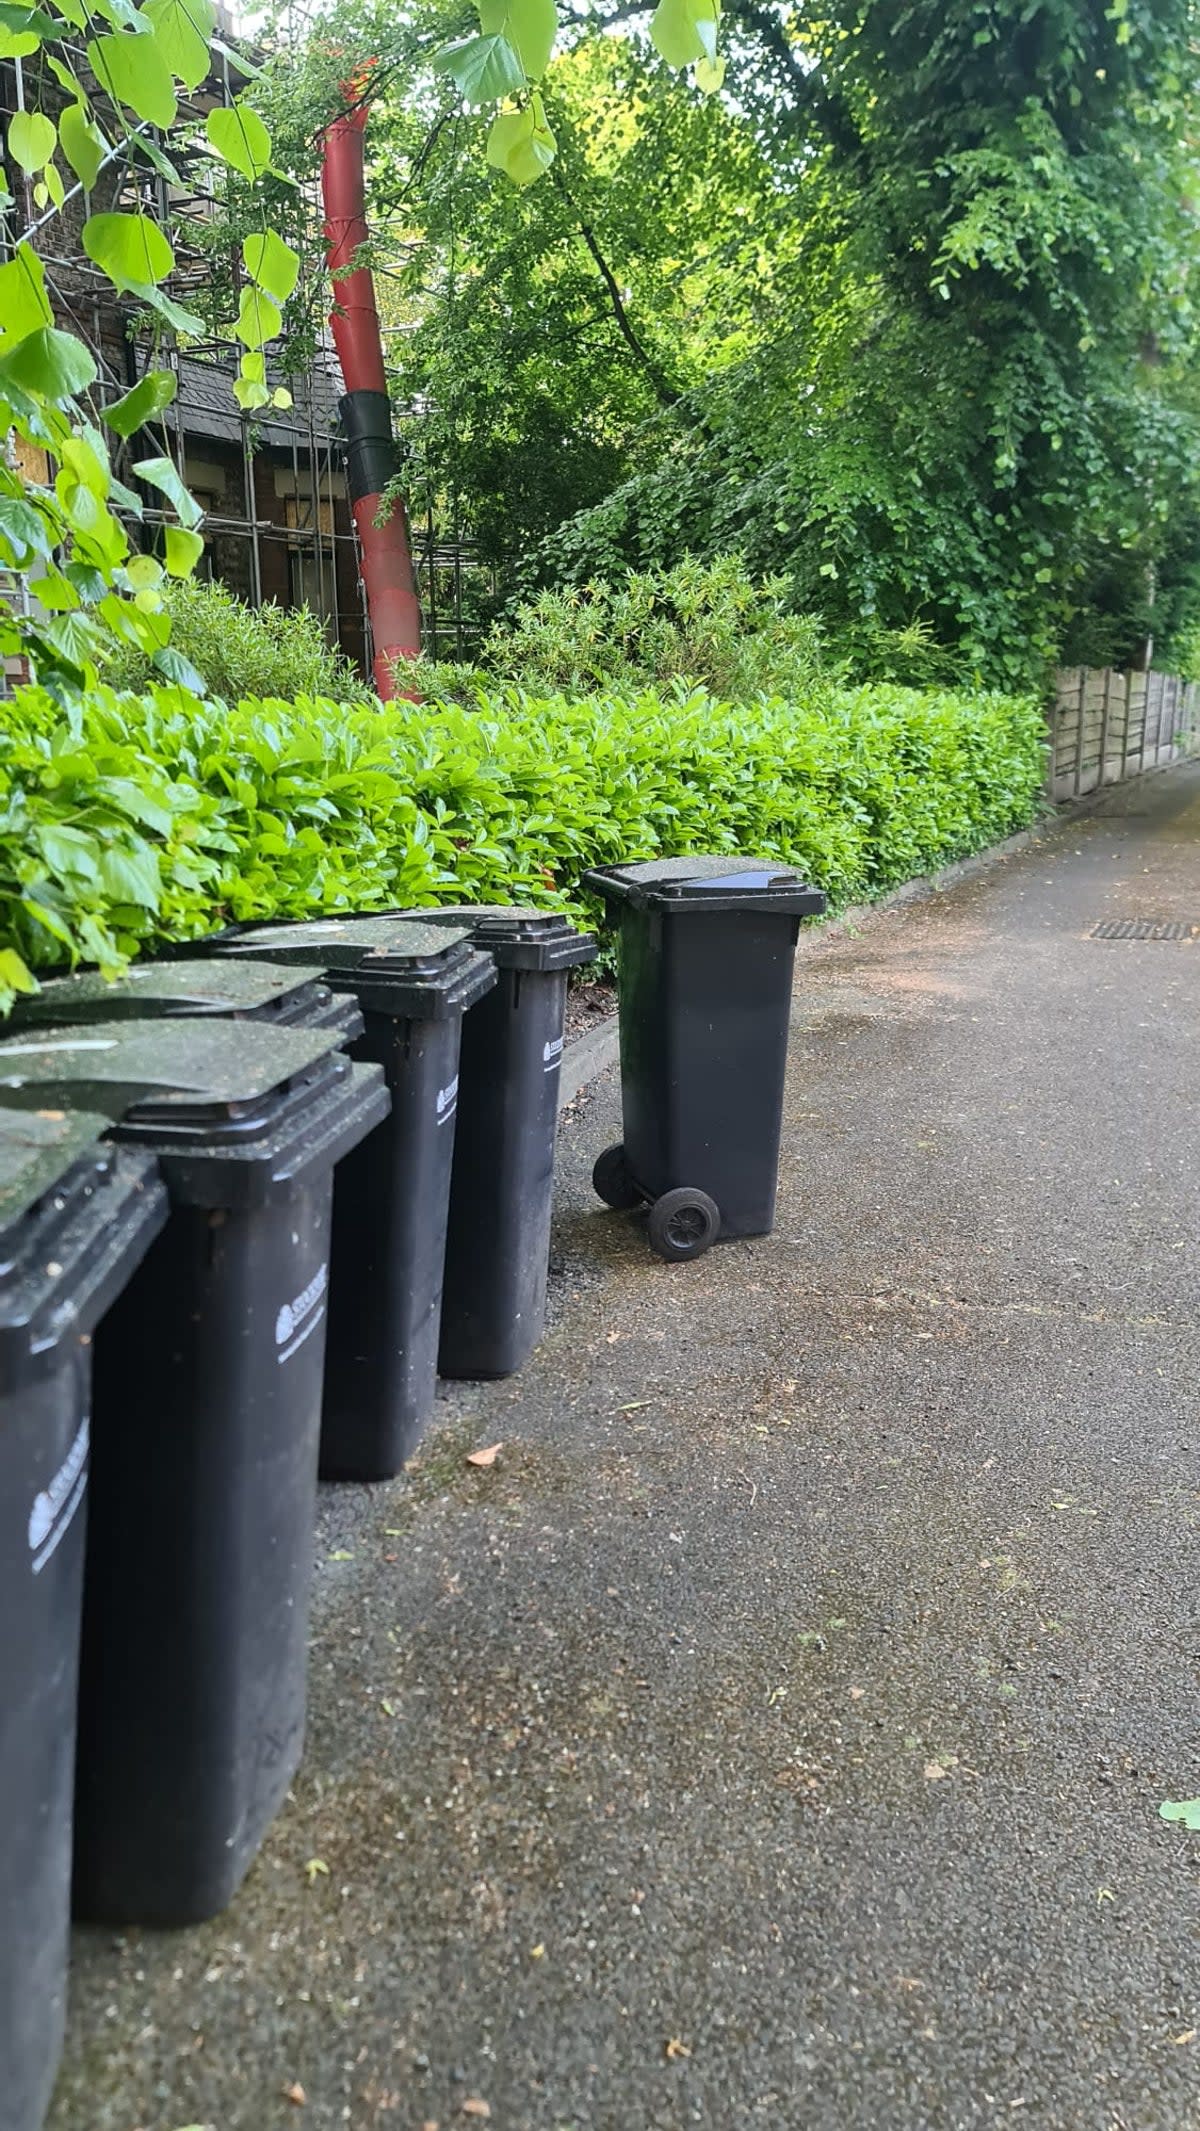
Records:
x=386, y=557
x=354, y=318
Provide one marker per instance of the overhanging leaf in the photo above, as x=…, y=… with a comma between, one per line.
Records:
x=144, y=574
x=258, y=319
x=163, y=475
x=240, y=138
x=31, y=21
x=140, y=405
x=484, y=69
x=684, y=31
x=145, y=149
x=48, y=362
x=182, y=32
x=186, y=323
x=31, y=140
x=135, y=74
x=15, y=976
x=145, y=626
x=23, y=529
x=182, y=551
x=24, y=303
x=175, y=667
x=521, y=144
x=130, y=249
x=272, y=264
x=83, y=144
x=530, y=26
x=18, y=44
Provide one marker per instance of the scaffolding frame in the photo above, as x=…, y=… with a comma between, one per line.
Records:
x=83, y=298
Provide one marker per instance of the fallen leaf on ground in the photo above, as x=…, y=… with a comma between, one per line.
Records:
x=537, y=1953
x=485, y=1457
x=675, y=2049
x=314, y=1868
x=1186, y=1809
x=296, y=2093
x=1188, y=2035
x=473, y=2106
x=933, y=1770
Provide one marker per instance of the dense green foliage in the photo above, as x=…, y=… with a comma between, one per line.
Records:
x=976, y=404
x=243, y=651
x=143, y=819
x=909, y=318
x=703, y=624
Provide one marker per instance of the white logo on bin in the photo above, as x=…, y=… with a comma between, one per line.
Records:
x=299, y=1318
x=54, y=1508
x=552, y=1055
x=447, y=1101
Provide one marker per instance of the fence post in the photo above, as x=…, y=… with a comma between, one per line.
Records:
x=1150, y=676
x=1103, y=769
x=1052, y=717
x=1083, y=681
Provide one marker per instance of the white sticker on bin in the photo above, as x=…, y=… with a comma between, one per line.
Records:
x=447, y=1101
x=51, y=1050
x=297, y=1320
x=54, y=1508
x=552, y=1055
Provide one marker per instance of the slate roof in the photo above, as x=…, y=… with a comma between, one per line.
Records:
x=205, y=406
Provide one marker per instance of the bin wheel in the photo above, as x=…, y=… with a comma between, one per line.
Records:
x=612, y=1182
x=683, y=1224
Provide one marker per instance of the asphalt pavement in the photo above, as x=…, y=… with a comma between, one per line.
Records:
x=774, y=1734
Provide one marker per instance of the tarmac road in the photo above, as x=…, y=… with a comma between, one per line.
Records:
x=775, y=1734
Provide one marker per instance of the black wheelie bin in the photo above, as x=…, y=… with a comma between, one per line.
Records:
x=414, y=982
x=249, y=991
x=207, y=1400
x=706, y=949
x=75, y=1218
x=501, y=1194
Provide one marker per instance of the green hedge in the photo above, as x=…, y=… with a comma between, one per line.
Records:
x=153, y=818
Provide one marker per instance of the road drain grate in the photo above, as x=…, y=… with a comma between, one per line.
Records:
x=1143, y=929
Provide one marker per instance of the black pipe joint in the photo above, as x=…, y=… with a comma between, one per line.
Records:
x=371, y=455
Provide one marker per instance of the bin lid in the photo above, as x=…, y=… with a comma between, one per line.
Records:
x=342, y=943
x=718, y=882
x=209, y=986
x=393, y=965
x=517, y=935
x=76, y=1215
x=38, y=1150
x=212, y=1069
